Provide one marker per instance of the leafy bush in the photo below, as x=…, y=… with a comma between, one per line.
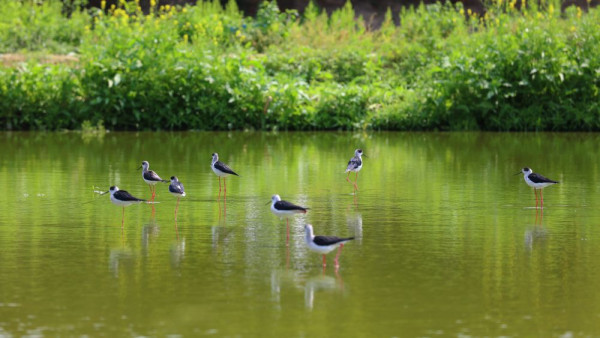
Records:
x=207, y=67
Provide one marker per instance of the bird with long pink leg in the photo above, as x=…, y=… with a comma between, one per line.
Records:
x=537, y=182
x=176, y=189
x=284, y=208
x=324, y=244
x=354, y=165
x=124, y=199
x=222, y=170
x=151, y=178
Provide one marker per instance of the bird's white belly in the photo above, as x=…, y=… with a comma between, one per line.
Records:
x=176, y=194
x=219, y=172
x=150, y=182
x=281, y=213
x=123, y=203
x=322, y=249
x=537, y=185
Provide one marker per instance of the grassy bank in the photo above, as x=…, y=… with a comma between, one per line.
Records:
x=209, y=68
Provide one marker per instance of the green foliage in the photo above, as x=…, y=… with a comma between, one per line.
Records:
x=39, y=28
x=207, y=67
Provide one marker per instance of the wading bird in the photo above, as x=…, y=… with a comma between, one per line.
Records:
x=284, y=208
x=176, y=188
x=222, y=170
x=124, y=199
x=354, y=165
x=536, y=181
x=324, y=244
x=151, y=178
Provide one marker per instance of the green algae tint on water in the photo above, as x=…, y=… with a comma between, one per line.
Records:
x=448, y=241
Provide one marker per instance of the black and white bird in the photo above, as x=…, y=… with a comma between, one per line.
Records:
x=537, y=182
x=177, y=190
x=324, y=244
x=284, y=209
x=151, y=178
x=222, y=170
x=354, y=165
x=124, y=199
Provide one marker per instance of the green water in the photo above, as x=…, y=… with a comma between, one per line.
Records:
x=448, y=240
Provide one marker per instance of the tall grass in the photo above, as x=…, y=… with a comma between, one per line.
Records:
x=207, y=67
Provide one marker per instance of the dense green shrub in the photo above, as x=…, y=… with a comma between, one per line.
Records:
x=209, y=68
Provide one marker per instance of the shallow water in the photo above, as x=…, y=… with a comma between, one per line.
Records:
x=448, y=240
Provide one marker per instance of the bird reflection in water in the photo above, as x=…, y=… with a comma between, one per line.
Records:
x=354, y=224
x=177, y=253
x=319, y=284
x=120, y=257
x=536, y=233
x=149, y=230
x=219, y=235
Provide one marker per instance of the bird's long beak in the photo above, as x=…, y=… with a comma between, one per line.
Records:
x=140, y=167
x=517, y=173
x=365, y=155
x=267, y=202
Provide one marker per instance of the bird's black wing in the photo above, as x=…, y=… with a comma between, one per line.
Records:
x=537, y=178
x=355, y=162
x=176, y=187
x=152, y=176
x=125, y=196
x=224, y=168
x=285, y=205
x=330, y=240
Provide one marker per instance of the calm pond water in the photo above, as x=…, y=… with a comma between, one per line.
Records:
x=448, y=241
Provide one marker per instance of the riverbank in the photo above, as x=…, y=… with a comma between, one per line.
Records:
x=208, y=68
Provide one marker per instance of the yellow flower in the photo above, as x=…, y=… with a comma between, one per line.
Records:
x=185, y=38
x=152, y=3
x=551, y=9
x=103, y=4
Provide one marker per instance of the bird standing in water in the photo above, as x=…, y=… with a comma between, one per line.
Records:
x=354, y=165
x=324, y=244
x=284, y=208
x=222, y=170
x=176, y=189
x=124, y=199
x=151, y=178
x=537, y=182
